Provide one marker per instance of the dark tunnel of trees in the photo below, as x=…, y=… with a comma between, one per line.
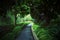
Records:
x=46, y=14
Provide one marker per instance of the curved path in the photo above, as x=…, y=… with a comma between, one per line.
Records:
x=25, y=34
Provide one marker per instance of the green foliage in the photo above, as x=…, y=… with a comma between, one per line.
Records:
x=50, y=32
x=24, y=19
x=25, y=10
x=20, y=15
x=17, y=29
x=45, y=10
x=47, y=15
x=14, y=33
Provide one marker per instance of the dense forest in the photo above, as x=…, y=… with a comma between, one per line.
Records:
x=45, y=14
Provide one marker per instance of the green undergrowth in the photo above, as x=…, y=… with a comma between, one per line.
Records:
x=51, y=32
x=14, y=33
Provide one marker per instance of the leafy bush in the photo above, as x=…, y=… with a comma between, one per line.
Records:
x=51, y=32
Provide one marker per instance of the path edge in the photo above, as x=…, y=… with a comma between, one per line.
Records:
x=34, y=35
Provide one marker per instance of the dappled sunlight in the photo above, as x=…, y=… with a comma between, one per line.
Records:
x=25, y=19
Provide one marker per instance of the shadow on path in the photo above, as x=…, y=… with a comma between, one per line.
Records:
x=25, y=34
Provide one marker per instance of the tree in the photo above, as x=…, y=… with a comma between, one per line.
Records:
x=49, y=9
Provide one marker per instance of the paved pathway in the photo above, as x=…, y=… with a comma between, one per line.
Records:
x=25, y=34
